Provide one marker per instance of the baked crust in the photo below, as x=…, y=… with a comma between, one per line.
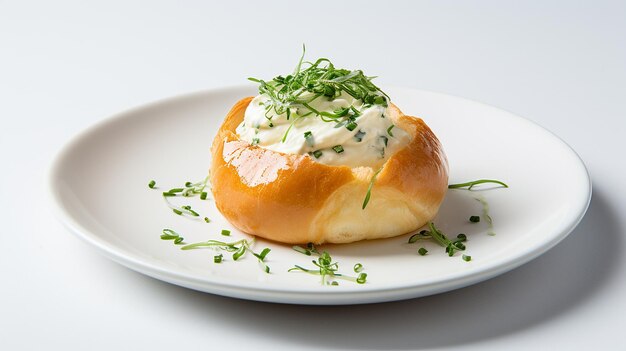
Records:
x=293, y=199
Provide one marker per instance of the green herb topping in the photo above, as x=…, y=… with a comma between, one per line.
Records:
x=470, y=185
x=318, y=79
x=338, y=149
x=474, y=219
x=369, y=188
x=326, y=268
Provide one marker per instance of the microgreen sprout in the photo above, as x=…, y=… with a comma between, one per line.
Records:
x=189, y=190
x=238, y=249
x=326, y=267
x=369, y=188
x=169, y=234
x=358, y=268
x=292, y=94
x=470, y=185
x=440, y=238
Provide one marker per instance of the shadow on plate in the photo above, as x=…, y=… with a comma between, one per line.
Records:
x=535, y=293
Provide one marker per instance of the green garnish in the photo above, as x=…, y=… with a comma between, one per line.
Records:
x=255, y=141
x=423, y=234
x=351, y=126
x=358, y=268
x=338, y=149
x=293, y=93
x=225, y=232
x=308, y=136
x=151, y=184
x=441, y=239
x=169, y=234
x=239, y=248
x=359, y=136
x=308, y=250
x=326, y=268
x=369, y=188
x=317, y=153
x=474, y=219
x=422, y=251
x=218, y=258
x=467, y=258
x=470, y=185
x=190, y=190
x=389, y=130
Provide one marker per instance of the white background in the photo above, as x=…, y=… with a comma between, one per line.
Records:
x=66, y=65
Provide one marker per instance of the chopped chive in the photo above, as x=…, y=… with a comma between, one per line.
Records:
x=389, y=130
x=177, y=211
x=467, y=258
x=168, y=194
x=359, y=136
x=361, y=278
x=422, y=251
x=474, y=219
x=351, y=126
x=317, y=153
x=203, y=195
x=308, y=134
x=334, y=283
x=255, y=141
x=206, y=219
x=168, y=237
x=225, y=232
x=151, y=184
x=179, y=240
x=385, y=140
x=358, y=267
x=462, y=237
x=188, y=184
x=338, y=149
x=175, y=190
x=218, y=258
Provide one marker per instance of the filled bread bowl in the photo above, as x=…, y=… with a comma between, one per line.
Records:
x=297, y=174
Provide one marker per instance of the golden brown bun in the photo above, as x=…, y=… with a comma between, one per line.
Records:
x=293, y=199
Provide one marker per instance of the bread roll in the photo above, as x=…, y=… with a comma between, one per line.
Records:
x=293, y=199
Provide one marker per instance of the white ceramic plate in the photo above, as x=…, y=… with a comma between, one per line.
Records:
x=99, y=190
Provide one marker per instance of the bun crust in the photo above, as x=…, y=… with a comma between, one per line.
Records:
x=293, y=199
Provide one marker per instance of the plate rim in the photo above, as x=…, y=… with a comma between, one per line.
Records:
x=295, y=295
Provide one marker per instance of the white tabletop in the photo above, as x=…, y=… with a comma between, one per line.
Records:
x=66, y=65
